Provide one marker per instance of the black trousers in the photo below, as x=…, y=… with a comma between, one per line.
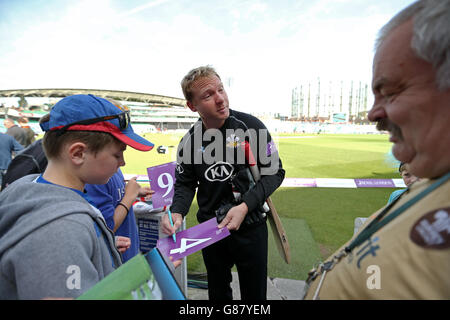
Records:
x=245, y=248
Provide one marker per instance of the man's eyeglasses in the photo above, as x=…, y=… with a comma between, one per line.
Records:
x=124, y=121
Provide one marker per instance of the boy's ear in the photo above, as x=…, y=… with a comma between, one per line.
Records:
x=77, y=152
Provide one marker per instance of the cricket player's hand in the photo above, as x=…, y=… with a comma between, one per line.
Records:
x=166, y=227
x=234, y=217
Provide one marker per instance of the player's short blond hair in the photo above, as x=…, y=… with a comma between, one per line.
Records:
x=192, y=76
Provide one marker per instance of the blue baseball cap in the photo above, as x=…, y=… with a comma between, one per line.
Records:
x=91, y=113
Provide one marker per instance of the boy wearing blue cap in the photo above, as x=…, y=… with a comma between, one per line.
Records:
x=53, y=242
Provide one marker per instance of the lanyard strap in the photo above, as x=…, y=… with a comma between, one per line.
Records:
x=376, y=224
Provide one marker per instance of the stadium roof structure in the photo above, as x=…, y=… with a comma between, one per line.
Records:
x=113, y=94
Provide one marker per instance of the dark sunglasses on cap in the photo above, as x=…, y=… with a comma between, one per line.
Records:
x=124, y=121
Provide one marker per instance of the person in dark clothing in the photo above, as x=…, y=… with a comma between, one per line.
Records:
x=15, y=131
x=23, y=122
x=30, y=160
x=8, y=146
x=210, y=158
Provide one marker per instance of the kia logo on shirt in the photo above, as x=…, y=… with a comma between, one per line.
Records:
x=219, y=171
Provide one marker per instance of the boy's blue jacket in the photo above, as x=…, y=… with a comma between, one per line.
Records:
x=106, y=197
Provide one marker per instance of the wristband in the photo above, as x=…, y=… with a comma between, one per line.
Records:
x=126, y=208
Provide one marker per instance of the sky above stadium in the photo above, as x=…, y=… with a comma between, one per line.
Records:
x=261, y=49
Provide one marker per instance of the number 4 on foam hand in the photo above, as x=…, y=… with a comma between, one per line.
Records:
x=183, y=245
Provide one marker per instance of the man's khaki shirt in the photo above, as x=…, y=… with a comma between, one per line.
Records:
x=408, y=258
